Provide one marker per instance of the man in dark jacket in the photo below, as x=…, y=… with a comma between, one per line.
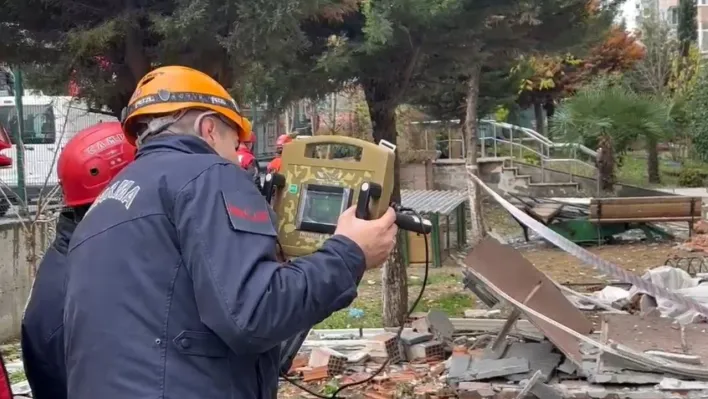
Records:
x=85, y=167
x=174, y=289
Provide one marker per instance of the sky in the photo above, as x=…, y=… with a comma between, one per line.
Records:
x=629, y=13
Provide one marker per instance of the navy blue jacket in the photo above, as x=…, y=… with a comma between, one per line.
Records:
x=174, y=289
x=42, y=325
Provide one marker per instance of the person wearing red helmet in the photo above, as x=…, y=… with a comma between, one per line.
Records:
x=274, y=165
x=247, y=160
x=90, y=160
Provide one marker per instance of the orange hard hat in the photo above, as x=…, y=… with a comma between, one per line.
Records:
x=282, y=140
x=170, y=89
x=90, y=160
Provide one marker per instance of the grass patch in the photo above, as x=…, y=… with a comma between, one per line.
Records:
x=17, y=377
x=443, y=291
x=634, y=170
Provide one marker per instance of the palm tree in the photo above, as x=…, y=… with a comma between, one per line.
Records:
x=609, y=115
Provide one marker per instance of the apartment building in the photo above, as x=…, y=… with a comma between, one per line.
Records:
x=668, y=10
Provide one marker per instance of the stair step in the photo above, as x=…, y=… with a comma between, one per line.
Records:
x=523, y=177
x=563, y=184
x=493, y=159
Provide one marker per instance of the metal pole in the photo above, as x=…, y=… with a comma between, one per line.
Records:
x=19, y=145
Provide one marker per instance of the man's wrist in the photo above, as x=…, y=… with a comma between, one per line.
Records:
x=350, y=252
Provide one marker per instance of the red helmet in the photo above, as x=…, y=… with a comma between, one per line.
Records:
x=282, y=140
x=251, y=139
x=90, y=160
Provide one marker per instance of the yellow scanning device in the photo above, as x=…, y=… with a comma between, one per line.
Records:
x=320, y=177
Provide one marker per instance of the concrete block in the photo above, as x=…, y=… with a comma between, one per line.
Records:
x=385, y=346
x=411, y=337
x=326, y=357
x=426, y=350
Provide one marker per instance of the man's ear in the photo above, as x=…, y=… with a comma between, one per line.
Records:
x=208, y=129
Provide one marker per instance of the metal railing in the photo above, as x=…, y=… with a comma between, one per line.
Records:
x=498, y=139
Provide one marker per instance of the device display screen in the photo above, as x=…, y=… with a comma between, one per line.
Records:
x=320, y=207
x=323, y=207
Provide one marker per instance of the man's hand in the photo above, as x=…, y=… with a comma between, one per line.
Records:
x=376, y=238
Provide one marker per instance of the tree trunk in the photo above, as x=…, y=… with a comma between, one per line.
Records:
x=540, y=115
x=475, y=195
x=653, y=160
x=394, y=281
x=606, y=163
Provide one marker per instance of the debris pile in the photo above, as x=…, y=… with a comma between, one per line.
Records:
x=545, y=347
x=698, y=242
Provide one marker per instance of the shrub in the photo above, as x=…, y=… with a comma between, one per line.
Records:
x=689, y=177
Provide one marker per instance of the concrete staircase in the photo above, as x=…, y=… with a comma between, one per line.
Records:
x=512, y=176
x=504, y=157
x=519, y=178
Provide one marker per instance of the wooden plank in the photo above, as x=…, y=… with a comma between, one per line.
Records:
x=545, y=213
x=645, y=220
x=644, y=211
x=643, y=200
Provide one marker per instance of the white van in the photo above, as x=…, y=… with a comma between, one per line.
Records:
x=49, y=123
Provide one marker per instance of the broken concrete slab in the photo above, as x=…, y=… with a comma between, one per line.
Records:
x=358, y=357
x=673, y=384
x=481, y=313
x=568, y=367
x=440, y=325
x=481, y=389
x=657, y=334
x=540, y=356
x=458, y=365
x=483, y=369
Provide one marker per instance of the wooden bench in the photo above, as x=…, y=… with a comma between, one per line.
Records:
x=646, y=210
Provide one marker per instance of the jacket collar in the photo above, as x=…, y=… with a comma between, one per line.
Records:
x=65, y=229
x=179, y=143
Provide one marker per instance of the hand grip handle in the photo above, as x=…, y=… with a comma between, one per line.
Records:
x=413, y=223
x=272, y=181
x=367, y=192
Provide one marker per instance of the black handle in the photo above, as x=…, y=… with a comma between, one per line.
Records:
x=272, y=181
x=367, y=192
x=413, y=223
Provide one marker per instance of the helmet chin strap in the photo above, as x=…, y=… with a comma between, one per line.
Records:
x=159, y=125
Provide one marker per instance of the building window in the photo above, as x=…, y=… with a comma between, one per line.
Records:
x=704, y=40
x=702, y=2
x=672, y=15
x=38, y=126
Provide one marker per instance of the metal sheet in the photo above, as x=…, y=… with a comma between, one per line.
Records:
x=509, y=271
x=657, y=333
x=433, y=201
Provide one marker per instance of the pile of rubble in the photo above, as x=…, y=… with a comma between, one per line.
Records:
x=698, y=242
x=546, y=347
x=437, y=357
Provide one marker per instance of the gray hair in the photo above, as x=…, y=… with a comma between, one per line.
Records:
x=181, y=123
